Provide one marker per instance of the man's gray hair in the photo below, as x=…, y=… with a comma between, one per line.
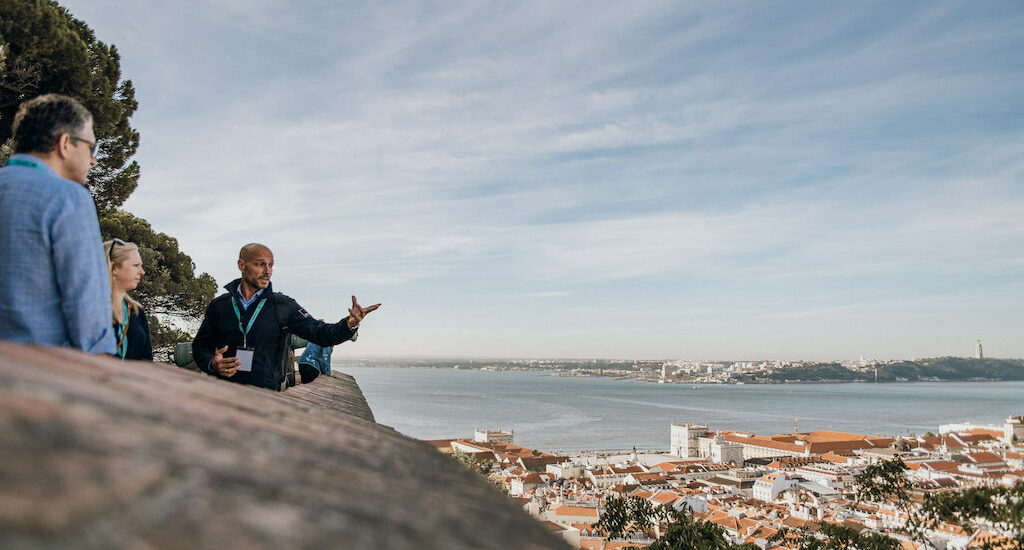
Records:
x=41, y=121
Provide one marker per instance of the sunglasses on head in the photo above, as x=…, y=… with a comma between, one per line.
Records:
x=113, y=243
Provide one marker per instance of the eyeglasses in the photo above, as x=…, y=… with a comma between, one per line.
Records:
x=94, y=146
x=113, y=243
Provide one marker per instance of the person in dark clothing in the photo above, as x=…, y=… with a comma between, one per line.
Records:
x=131, y=327
x=244, y=334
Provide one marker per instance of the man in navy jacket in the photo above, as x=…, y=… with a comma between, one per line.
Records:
x=244, y=335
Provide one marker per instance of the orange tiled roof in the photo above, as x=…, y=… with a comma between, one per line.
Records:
x=791, y=521
x=762, y=532
x=672, y=464
x=792, y=461
x=982, y=434
x=580, y=511
x=983, y=458
x=819, y=442
x=665, y=497
x=440, y=444
x=507, y=449
x=622, y=470
x=624, y=488
x=834, y=458
x=988, y=539
x=556, y=527
x=942, y=466
x=732, y=523
x=532, y=477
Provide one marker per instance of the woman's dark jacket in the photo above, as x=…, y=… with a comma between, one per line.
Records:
x=268, y=336
x=140, y=347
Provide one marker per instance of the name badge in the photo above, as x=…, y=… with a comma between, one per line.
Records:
x=244, y=356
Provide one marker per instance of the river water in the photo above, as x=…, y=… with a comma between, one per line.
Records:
x=555, y=413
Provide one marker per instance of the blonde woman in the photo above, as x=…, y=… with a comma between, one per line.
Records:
x=131, y=328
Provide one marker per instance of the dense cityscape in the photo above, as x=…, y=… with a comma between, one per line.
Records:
x=755, y=486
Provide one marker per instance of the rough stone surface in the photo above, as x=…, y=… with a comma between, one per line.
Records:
x=99, y=453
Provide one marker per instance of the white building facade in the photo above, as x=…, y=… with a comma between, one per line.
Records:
x=684, y=439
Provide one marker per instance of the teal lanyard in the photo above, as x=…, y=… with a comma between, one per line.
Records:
x=245, y=331
x=20, y=162
x=122, y=339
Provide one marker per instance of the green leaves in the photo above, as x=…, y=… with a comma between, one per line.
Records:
x=827, y=536
x=49, y=51
x=481, y=467
x=170, y=290
x=999, y=508
x=622, y=512
x=43, y=49
x=684, y=532
x=885, y=481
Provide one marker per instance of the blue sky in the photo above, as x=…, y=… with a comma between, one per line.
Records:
x=717, y=180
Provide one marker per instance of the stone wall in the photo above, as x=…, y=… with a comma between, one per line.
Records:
x=100, y=453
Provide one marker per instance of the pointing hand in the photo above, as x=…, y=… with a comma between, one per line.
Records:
x=357, y=312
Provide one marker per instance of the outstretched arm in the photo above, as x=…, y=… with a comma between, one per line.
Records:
x=303, y=324
x=356, y=313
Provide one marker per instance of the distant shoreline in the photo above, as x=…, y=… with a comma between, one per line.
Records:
x=942, y=369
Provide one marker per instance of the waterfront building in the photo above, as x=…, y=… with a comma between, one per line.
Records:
x=684, y=438
x=972, y=428
x=1013, y=430
x=488, y=436
x=804, y=444
x=719, y=451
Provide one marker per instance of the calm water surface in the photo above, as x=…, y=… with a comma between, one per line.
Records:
x=574, y=413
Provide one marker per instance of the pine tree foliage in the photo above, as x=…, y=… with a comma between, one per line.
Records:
x=169, y=291
x=44, y=49
x=47, y=50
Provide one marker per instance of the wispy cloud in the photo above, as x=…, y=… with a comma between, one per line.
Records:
x=741, y=161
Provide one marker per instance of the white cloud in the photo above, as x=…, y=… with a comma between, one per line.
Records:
x=808, y=162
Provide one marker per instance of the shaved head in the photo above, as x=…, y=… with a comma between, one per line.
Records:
x=252, y=249
x=256, y=262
